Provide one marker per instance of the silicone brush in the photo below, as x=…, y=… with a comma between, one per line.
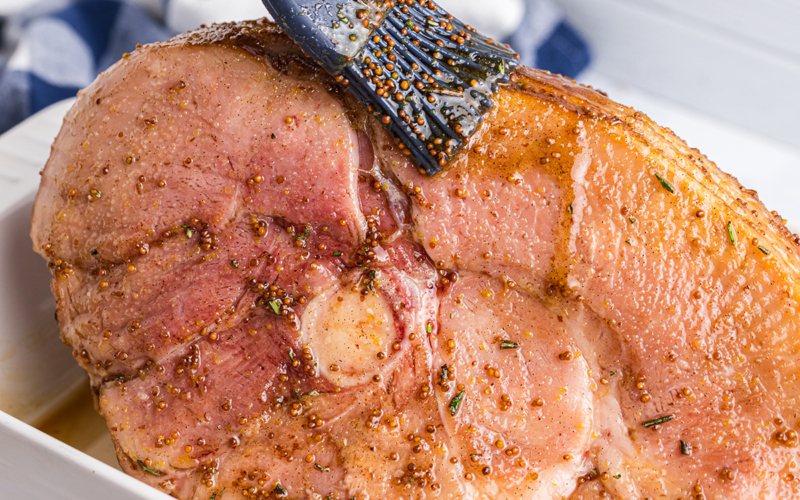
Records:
x=428, y=77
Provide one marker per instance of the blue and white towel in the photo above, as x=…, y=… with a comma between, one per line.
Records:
x=56, y=47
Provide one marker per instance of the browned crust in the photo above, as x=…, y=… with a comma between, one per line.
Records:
x=686, y=161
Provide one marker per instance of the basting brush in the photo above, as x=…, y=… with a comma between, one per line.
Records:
x=428, y=77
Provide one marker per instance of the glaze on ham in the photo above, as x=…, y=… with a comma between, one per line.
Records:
x=272, y=302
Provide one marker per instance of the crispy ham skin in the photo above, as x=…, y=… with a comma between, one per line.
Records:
x=272, y=302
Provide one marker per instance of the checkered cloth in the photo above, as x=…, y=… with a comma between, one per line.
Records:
x=59, y=46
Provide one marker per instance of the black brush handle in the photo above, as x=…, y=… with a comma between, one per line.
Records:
x=330, y=32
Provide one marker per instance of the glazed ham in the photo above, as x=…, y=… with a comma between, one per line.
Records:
x=271, y=301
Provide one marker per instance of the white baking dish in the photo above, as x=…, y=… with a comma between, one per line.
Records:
x=38, y=376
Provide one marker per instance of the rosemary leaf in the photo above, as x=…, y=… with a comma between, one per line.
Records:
x=275, y=306
x=664, y=183
x=507, y=344
x=732, y=233
x=147, y=469
x=455, y=403
x=658, y=421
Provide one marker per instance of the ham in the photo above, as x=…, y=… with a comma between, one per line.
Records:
x=272, y=302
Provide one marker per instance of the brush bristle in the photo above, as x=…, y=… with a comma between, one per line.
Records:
x=429, y=79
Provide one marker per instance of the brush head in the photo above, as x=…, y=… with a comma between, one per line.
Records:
x=429, y=79
x=425, y=75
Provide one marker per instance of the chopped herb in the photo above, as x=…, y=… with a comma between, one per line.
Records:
x=507, y=344
x=686, y=448
x=291, y=354
x=632, y=220
x=337, y=254
x=273, y=136
x=230, y=337
x=280, y=491
x=189, y=232
x=235, y=264
x=658, y=421
x=455, y=403
x=613, y=373
x=429, y=327
x=321, y=468
x=148, y=469
x=664, y=183
x=765, y=251
x=570, y=208
x=215, y=497
x=305, y=234
x=732, y=233
x=502, y=68
x=617, y=476
x=276, y=308
x=372, y=274
x=313, y=392
x=628, y=241
x=445, y=373
x=593, y=472
x=296, y=394
x=411, y=479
